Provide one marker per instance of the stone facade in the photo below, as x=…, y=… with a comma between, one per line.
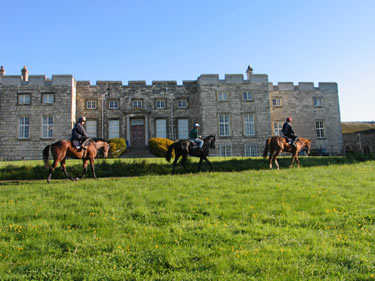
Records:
x=358, y=137
x=315, y=111
x=36, y=111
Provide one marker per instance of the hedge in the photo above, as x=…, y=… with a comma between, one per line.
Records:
x=159, y=146
x=117, y=147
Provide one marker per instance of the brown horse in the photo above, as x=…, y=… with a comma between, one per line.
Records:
x=275, y=145
x=64, y=148
x=186, y=147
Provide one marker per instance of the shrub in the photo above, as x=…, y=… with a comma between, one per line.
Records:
x=159, y=146
x=117, y=147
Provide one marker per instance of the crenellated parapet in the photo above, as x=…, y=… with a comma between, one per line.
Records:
x=208, y=79
x=323, y=87
x=37, y=80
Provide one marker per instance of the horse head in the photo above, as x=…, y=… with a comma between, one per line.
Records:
x=210, y=140
x=306, y=143
x=102, y=144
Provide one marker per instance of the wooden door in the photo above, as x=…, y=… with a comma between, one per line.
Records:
x=137, y=138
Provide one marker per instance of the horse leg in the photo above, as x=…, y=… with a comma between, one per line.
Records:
x=51, y=169
x=183, y=162
x=294, y=158
x=92, y=165
x=272, y=152
x=200, y=164
x=84, y=170
x=63, y=168
x=175, y=162
x=275, y=158
x=209, y=163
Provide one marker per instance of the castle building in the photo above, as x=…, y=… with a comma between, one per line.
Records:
x=36, y=111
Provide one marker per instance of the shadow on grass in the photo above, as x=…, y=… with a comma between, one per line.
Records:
x=143, y=167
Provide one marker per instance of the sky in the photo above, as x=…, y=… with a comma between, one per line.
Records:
x=289, y=40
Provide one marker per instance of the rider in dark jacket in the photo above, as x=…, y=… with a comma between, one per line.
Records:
x=79, y=136
x=194, y=136
x=288, y=131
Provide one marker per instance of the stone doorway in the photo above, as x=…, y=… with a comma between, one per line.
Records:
x=137, y=134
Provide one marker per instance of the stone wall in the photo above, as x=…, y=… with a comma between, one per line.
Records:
x=62, y=88
x=298, y=102
x=236, y=107
x=360, y=142
x=203, y=105
x=168, y=91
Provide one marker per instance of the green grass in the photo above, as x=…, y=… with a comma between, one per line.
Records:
x=312, y=223
x=19, y=170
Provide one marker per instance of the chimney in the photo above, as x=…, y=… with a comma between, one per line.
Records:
x=249, y=72
x=25, y=73
x=2, y=71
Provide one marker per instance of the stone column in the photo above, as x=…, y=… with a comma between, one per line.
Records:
x=146, y=130
x=128, y=129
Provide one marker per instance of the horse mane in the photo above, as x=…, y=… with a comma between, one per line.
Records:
x=99, y=139
x=208, y=137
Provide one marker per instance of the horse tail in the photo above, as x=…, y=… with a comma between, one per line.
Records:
x=169, y=152
x=45, y=155
x=267, y=147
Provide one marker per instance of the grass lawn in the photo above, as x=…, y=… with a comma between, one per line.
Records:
x=312, y=223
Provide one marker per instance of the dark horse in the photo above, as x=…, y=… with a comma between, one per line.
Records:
x=185, y=147
x=275, y=145
x=63, y=148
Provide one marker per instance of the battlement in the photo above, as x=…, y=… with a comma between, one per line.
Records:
x=37, y=80
x=323, y=87
x=207, y=79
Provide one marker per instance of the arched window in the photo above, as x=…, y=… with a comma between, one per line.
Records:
x=348, y=150
x=367, y=150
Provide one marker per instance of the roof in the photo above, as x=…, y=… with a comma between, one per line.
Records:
x=356, y=127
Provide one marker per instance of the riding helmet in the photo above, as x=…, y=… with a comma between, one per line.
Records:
x=82, y=119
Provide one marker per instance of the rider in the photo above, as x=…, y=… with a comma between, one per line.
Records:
x=288, y=131
x=194, y=135
x=79, y=136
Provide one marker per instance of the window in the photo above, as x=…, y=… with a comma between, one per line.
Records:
x=247, y=96
x=182, y=104
x=276, y=102
x=223, y=96
x=113, y=129
x=137, y=103
x=225, y=150
x=24, y=128
x=161, y=128
x=319, y=129
x=47, y=127
x=224, y=124
x=48, y=98
x=160, y=104
x=317, y=102
x=113, y=104
x=249, y=127
x=251, y=150
x=24, y=99
x=91, y=104
x=183, y=128
x=91, y=128
x=277, y=127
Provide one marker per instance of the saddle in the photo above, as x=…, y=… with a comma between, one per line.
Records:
x=78, y=144
x=194, y=146
x=290, y=140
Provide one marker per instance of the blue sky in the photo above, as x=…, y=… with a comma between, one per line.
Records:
x=290, y=40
